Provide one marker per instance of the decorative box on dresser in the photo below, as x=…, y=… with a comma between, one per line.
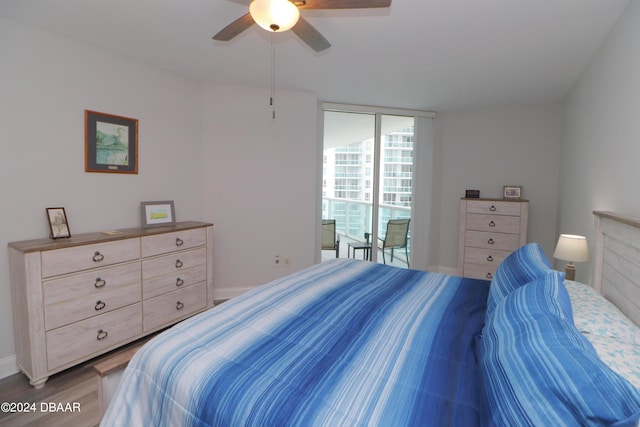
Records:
x=490, y=229
x=74, y=299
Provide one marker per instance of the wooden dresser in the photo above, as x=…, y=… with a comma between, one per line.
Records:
x=74, y=299
x=490, y=229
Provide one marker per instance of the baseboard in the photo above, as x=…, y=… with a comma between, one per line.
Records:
x=221, y=294
x=8, y=366
x=445, y=270
x=228, y=293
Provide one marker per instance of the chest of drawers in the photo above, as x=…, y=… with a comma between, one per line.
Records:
x=74, y=299
x=489, y=231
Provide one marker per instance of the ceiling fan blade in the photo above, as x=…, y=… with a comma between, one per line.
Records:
x=235, y=28
x=310, y=35
x=341, y=4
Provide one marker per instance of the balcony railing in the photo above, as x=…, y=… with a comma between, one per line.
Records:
x=353, y=218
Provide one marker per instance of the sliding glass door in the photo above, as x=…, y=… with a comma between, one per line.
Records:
x=395, y=189
x=348, y=175
x=368, y=182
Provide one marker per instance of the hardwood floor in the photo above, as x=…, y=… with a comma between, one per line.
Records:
x=67, y=399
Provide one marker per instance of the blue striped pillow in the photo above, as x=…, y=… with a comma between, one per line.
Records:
x=520, y=267
x=537, y=369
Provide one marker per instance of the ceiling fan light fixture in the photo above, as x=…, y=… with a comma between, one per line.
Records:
x=274, y=15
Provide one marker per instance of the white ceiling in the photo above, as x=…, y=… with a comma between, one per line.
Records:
x=423, y=54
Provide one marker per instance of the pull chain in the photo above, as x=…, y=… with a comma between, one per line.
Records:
x=273, y=78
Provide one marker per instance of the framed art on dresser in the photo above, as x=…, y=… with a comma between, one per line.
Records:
x=512, y=192
x=58, y=225
x=158, y=213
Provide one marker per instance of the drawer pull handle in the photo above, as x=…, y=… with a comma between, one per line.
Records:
x=179, y=263
x=489, y=276
x=491, y=242
x=100, y=283
x=490, y=258
x=102, y=334
x=179, y=305
x=492, y=224
x=98, y=256
x=100, y=305
x=492, y=208
x=179, y=282
x=179, y=241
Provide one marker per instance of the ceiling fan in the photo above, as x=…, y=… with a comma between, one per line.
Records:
x=281, y=15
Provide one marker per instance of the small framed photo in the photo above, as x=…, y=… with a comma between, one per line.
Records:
x=111, y=143
x=512, y=192
x=158, y=213
x=58, y=224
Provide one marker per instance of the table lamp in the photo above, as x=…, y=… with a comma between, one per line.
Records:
x=571, y=248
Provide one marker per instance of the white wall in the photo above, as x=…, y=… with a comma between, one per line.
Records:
x=46, y=83
x=485, y=150
x=259, y=184
x=601, y=151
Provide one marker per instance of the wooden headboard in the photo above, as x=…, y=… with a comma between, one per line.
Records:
x=617, y=261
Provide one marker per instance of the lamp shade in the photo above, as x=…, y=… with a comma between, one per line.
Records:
x=274, y=15
x=572, y=248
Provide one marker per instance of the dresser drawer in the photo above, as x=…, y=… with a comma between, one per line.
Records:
x=494, y=223
x=491, y=240
x=159, y=285
x=92, y=336
x=171, y=242
x=171, y=307
x=78, y=258
x=484, y=256
x=174, y=263
x=81, y=296
x=70, y=311
x=94, y=282
x=493, y=207
x=476, y=271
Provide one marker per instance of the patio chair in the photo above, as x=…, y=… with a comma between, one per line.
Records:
x=396, y=236
x=330, y=239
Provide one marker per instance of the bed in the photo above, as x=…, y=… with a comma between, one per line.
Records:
x=352, y=343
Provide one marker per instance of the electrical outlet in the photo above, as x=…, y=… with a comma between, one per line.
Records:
x=287, y=261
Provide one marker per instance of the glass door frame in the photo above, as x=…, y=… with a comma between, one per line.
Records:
x=378, y=112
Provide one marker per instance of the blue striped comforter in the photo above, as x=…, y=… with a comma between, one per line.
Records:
x=342, y=343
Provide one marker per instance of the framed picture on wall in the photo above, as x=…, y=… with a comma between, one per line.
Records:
x=111, y=143
x=512, y=192
x=158, y=213
x=58, y=224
